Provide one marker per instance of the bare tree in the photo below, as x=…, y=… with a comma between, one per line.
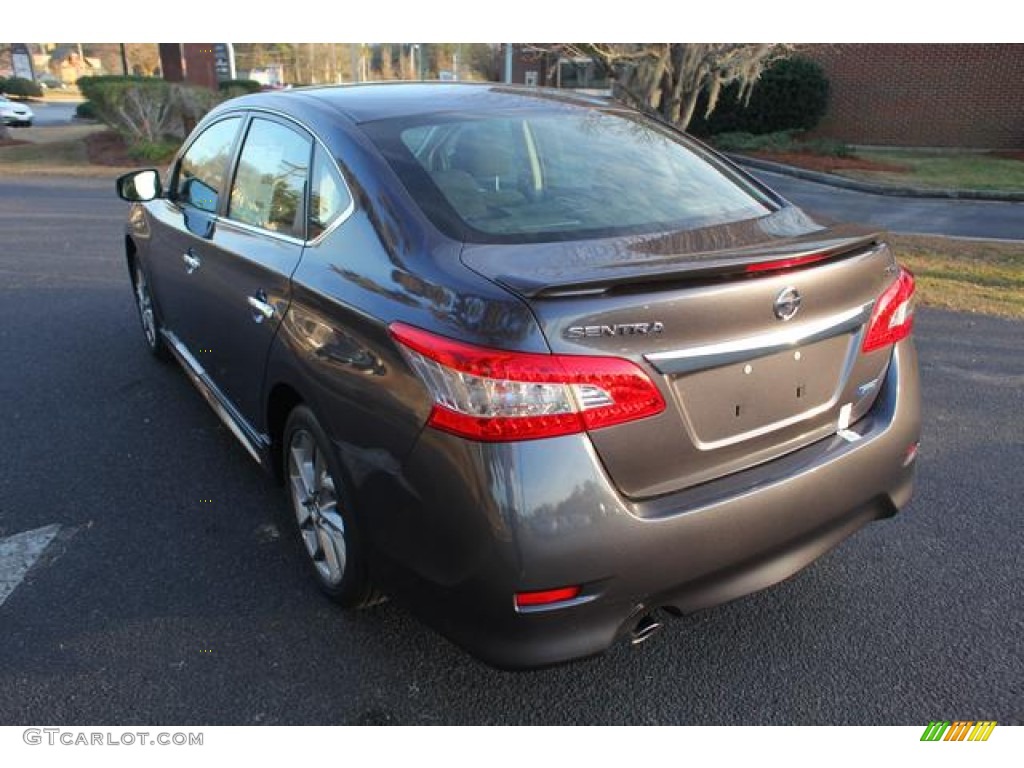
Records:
x=387, y=63
x=669, y=77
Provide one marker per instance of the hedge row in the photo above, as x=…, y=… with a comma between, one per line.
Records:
x=792, y=95
x=19, y=86
x=147, y=109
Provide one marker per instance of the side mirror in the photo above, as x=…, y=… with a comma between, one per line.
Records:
x=139, y=186
x=202, y=196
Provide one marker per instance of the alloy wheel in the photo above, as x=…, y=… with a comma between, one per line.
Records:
x=315, y=502
x=145, y=304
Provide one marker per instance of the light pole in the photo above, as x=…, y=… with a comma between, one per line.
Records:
x=414, y=48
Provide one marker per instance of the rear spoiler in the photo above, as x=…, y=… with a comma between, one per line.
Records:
x=696, y=268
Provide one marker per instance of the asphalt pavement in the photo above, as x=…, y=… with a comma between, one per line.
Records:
x=908, y=215
x=53, y=112
x=174, y=593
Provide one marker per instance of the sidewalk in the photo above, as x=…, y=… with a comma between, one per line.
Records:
x=875, y=188
x=904, y=212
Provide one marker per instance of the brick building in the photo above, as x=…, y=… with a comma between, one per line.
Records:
x=948, y=95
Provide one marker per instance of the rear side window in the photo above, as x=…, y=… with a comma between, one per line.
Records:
x=560, y=175
x=329, y=198
x=204, y=166
x=270, y=183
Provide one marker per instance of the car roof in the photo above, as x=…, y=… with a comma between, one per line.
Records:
x=369, y=102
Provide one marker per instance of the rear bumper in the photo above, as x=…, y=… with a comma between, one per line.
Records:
x=477, y=523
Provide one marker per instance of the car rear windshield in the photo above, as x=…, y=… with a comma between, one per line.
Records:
x=532, y=177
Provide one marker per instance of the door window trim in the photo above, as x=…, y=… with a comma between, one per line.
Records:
x=296, y=126
x=247, y=114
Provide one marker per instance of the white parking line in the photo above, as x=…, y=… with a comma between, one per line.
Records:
x=18, y=553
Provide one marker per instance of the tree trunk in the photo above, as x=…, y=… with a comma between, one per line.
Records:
x=686, y=113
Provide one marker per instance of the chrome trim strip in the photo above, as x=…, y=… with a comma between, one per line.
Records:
x=852, y=351
x=290, y=239
x=544, y=608
x=238, y=426
x=752, y=347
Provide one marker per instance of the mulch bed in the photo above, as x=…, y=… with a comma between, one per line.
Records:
x=1011, y=154
x=107, y=148
x=829, y=163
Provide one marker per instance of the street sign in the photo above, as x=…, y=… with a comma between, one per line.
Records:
x=224, y=61
x=21, y=61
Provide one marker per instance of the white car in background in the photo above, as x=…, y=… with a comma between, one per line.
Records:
x=15, y=113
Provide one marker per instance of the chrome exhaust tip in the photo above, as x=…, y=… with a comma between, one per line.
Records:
x=645, y=629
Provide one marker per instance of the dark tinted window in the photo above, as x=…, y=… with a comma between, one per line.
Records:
x=204, y=167
x=552, y=176
x=329, y=198
x=270, y=182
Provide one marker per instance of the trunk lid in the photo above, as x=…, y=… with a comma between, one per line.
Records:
x=704, y=313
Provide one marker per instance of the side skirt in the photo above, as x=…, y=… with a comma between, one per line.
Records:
x=255, y=442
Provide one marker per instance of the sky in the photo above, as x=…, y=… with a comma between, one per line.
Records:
x=535, y=20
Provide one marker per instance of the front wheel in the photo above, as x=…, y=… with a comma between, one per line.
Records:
x=147, y=314
x=323, y=513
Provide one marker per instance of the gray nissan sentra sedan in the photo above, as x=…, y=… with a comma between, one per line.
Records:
x=535, y=365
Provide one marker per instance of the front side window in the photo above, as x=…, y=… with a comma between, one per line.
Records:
x=270, y=183
x=204, y=166
x=552, y=176
x=329, y=198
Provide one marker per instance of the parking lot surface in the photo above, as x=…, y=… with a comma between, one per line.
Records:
x=171, y=590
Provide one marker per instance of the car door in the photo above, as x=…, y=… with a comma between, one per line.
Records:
x=183, y=225
x=247, y=264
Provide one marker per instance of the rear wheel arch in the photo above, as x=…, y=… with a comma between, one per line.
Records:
x=319, y=490
x=281, y=401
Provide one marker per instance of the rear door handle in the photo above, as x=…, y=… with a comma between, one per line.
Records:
x=264, y=310
x=192, y=262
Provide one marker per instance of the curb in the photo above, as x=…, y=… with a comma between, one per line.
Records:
x=873, y=188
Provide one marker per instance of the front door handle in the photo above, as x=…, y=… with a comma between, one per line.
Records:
x=192, y=262
x=264, y=311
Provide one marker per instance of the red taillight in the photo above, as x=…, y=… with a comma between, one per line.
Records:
x=497, y=395
x=546, y=596
x=893, y=316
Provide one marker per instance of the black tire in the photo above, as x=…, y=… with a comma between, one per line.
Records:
x=321, y=506
x=148, y=316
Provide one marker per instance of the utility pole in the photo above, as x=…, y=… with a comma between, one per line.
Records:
x=124, y=60
x=508, y=62
x=414, y=49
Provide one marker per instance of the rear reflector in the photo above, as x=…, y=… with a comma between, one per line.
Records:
x=911, y=453
x=496, y=395
x=892, y=319
x=546, y=597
